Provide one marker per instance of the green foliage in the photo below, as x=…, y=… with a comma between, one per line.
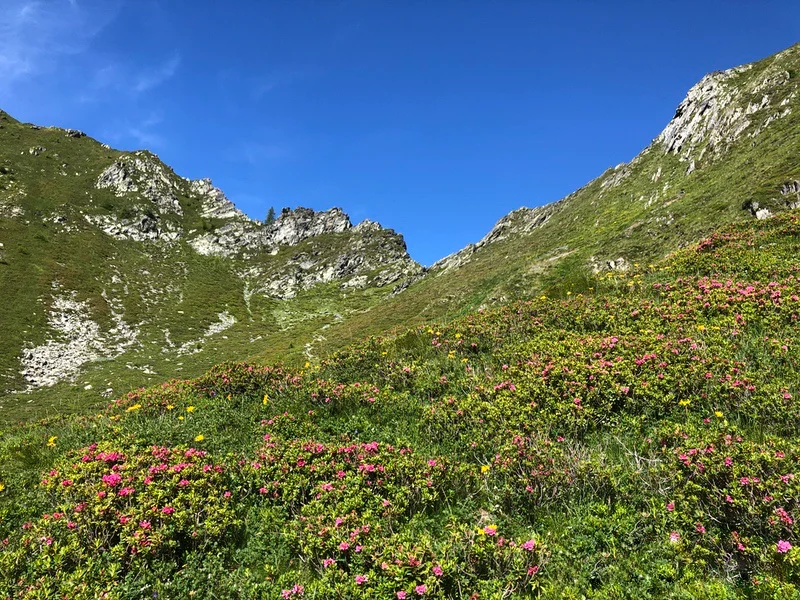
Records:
x=641, y=440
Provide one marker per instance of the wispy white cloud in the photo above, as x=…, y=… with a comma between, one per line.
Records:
x=156, y=76
x=129, y=79
x=36, y=34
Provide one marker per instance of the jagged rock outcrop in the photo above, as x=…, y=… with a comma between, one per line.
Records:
x=230, y=239
x=215, y=204
x=146, y=175
x=289, y=229
x=791, y=193
x=294, y=226
x=725, y=105
x=372, y=256
x=143, y=227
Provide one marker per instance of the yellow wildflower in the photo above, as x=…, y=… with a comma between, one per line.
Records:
x=2, y=486
x=170, y=406
x=684, y=402
x=180, y=418
x=190, y=409
x=701, y=328
x=458, y=336
x=199, y=438
x=52, y=441
x=718, y=414
x=265, y=400
x=133, y=408
x=485, y=468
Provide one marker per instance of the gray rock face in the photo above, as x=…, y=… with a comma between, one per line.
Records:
x=230, y=239
x=365, y=260
x=289, y=229
x=215, y=203
x=294, y=226
x=722, y=107
x=140, y=173
x=146, y=226
x=791, y=192
x=518, y=222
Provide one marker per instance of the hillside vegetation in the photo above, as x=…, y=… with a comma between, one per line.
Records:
x=636, y=440
x=119, y=273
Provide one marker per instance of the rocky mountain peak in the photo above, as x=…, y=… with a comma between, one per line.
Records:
x=294, y=226
x=726, y=105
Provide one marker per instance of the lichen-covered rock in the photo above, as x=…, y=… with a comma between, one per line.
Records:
x=791, y=192
x=147, y=226
x=141, y=172
x=371, y=256
x=215, y=204
x=230, y=239
x=294, y=226
x=724, y=105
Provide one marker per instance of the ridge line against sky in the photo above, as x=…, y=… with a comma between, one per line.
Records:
x=434, y=119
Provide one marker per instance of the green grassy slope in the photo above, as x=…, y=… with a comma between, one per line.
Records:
x=640, y=440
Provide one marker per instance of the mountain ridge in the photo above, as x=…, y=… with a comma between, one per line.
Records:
x=312, y=281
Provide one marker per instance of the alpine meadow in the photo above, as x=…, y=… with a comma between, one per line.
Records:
x=599, y=399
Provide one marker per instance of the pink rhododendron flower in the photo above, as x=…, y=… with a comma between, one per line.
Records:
x=437, y=570
x=112, y=479
x=529, y=545
x=361, y=579
x=421, y=589
x=783, y=546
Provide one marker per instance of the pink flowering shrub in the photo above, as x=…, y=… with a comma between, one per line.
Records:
x=127, y=504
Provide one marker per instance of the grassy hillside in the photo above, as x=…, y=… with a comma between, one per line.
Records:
x=638, y=440
x=144, y=310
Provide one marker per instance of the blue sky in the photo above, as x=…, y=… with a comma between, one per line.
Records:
x=434, y=118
